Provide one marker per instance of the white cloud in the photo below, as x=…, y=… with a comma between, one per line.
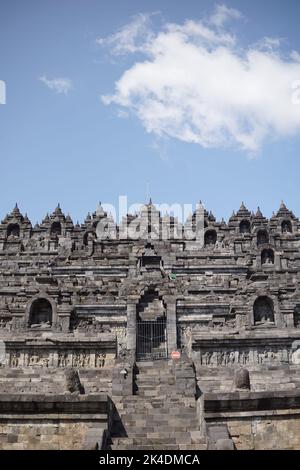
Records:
x=2, y=92
x=222, y=14
x=295, y=56
x=131, y=37
x=197, y=84
x=59, y=85
x=268, y=44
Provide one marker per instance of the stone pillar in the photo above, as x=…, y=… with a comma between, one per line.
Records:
x=289, y=318
x=64, y=321
x=258, y=262
x=131, y=325
x=171, y=324
x=277, y=260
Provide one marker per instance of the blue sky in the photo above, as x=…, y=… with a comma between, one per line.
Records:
x=71, y=147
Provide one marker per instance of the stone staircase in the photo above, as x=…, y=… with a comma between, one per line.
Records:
x=156, y=416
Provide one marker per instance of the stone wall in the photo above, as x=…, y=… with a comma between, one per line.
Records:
x=266, y=433
x=58, y=435
x=257, y=420
x=39, y=422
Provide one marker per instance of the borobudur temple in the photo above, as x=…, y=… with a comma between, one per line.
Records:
x=150, y=342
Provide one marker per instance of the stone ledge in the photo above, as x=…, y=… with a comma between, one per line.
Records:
x=88, y=417
x=253, y=414
x=53, y=404
x=245, y=338
x=251, y=401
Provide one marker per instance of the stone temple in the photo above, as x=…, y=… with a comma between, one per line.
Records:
x=114, y=342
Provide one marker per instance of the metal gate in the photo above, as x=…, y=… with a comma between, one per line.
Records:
x=151, y=340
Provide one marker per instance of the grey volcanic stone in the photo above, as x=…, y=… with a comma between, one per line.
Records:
x=242, y=379
x=80, y=309
x=73, y=383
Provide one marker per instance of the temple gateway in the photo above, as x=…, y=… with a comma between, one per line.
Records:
x=150, y=342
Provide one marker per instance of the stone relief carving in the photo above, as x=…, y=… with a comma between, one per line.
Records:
x=92, y=325
x=71, y=358
x=227, y=357
x=295, y=356
x=5, y=324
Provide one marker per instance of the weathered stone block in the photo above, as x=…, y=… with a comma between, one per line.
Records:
x=73, y=384
x=242, y=379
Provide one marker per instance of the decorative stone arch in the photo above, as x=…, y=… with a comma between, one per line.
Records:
x=263, y=310
x=56, y=228
x=210, y=237
x=245, y=226
x=273, y=302
x=153, y=296
x=262, y=237
x=267, y=257
x=151, y=326
x=14, y=229
x=89, y=234
x=286, y=226
x=169, y=302
x=141, y=290
x=41, y=296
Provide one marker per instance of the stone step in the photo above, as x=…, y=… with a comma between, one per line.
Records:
x=144, y=447
x=155, y=365
x=158, y=412
x=159, y=436
x=156, y=405
x=144, y=431
x=198, y=446
x=131, y=418
x=162, y=410
x=154, y=441
x=135, y=399
x=159, y=389
x=159, y=416
x=152, y=371
x=149, y=381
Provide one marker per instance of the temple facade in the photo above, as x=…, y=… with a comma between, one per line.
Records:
x=96, y=320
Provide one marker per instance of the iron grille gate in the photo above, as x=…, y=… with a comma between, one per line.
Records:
x=151, y=341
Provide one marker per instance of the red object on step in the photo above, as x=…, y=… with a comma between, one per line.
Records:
x=175, y=355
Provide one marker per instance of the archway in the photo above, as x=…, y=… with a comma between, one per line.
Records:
x=245, y=226
x=56, y=229
x=267, y=256
x=286, y=226
x=262, y=237
x=210, y=238
x=40, y=312
x=14, y=230
x=88, y=236
x=263, y=311
x=151, y=332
